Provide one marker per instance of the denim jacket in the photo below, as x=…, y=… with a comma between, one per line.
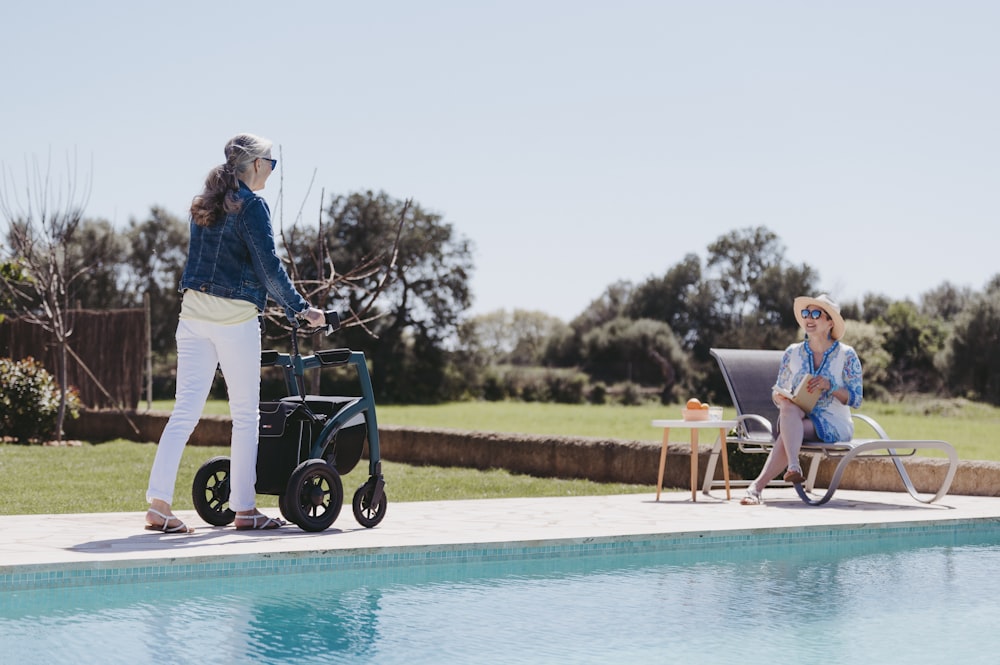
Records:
x=235, y=258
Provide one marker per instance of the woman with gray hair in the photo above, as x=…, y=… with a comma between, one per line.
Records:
x=232, y=267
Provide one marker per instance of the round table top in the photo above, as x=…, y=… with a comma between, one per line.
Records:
x=696, y=424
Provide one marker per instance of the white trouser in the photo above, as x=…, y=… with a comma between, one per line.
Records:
x=201, y=346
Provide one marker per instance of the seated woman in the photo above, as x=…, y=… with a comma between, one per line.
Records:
x=836, y=373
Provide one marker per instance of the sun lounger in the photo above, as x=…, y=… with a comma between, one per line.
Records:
x=750, y=374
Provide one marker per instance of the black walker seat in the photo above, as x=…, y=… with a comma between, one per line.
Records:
x=750, y=374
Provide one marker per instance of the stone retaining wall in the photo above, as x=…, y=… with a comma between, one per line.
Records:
x=602, y=460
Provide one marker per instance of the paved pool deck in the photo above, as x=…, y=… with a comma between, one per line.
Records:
x=30, y=544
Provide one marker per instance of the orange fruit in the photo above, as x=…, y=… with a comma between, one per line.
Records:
x=704, y=407
x=694, y=403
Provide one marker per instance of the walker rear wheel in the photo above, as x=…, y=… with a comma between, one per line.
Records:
x=314, y=496
x=210, y=492
x=283, y=507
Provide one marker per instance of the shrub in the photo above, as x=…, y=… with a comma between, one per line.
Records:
x=598, y=393
x=29, y=401
x=493, y=388
x=631, y=394
x=566, y=386
x=745, y=465
x=534, y=389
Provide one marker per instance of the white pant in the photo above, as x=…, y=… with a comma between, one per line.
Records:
x=201, y=346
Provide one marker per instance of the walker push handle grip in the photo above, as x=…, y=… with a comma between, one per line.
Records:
x=332, y=321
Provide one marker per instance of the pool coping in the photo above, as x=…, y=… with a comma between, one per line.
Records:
x=55, y=551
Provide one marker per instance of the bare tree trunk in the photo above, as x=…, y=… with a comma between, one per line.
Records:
x=61, y=418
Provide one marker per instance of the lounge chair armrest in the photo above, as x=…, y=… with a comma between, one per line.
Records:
x=752, y=443
x=741, y=428
x=871, y=422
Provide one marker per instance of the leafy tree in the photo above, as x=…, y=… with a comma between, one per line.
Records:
x=741, y=260
x=415, y=310
x=869, y=340
x=156, y=255
x=776, y=290
x=564, y=347
x=993, y=285
x=678, y=299
x=874, y=306
x=530, y=331
x=11, y=272
x=606, y=307
x=912, y=342
x=517, y=337
x=851, y=310
x=640, y=351
x=945, y=301
x=972, y=357
x=97, y=252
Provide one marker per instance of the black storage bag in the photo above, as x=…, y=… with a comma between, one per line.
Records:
x=285, y=436
x=346, y=449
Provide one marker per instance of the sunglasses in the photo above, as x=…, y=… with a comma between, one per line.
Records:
x=812, y=313
x=274, y=162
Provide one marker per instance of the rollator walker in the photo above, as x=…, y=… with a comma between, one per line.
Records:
x=306, y=443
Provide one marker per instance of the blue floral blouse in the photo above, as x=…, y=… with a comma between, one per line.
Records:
x=842, y=368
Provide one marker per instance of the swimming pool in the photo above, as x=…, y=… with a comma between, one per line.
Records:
x=925, y=594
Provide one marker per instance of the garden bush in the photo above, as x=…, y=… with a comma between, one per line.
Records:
x=29, y=401
x=598, y=393
x=566, y=386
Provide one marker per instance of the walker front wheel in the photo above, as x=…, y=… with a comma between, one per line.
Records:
x=210, y=492
x=369, y=514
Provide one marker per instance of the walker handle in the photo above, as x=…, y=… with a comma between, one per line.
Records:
x=332, y=321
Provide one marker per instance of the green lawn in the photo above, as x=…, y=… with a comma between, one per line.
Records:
x=112, y=476
x=973, y=428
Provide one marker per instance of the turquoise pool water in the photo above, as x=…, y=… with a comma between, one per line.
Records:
x=894, y=597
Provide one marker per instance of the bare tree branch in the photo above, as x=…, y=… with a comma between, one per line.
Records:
x=39, y=229
x=328, y=280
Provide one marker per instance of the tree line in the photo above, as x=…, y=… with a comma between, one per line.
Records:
x=633, y=339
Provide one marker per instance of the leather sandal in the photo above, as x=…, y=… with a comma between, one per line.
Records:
x=258, y=522
x=752, y=498
x=164, y=526
x=794, y=476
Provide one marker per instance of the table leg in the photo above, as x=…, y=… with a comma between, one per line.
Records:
x=663, y=461
x=694, y=464
x=725, y=461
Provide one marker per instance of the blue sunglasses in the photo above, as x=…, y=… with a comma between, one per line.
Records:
x=812, y=313
x=274, y=162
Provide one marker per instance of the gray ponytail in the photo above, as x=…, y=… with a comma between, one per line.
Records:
x=219, y=196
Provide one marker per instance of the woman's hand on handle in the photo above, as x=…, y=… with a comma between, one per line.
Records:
x=315, y=317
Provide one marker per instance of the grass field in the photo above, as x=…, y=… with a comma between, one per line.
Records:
x=973, y=428
x=111, y=477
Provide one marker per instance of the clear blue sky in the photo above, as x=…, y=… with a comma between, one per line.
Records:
x=575, y=143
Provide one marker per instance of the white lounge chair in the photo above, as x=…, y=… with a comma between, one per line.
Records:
x=750, y=374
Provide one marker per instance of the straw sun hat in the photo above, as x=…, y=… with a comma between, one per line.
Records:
x=824, y=303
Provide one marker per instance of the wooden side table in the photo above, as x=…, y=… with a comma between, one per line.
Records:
x=722, y=426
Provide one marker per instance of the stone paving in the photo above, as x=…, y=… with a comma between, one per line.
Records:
x=54, y=542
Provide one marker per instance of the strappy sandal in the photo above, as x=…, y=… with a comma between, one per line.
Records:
x=794, y=475
x=164, y=526
x=752, y=498
x=266, y=524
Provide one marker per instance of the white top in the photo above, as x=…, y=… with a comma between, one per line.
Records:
x=198, y=306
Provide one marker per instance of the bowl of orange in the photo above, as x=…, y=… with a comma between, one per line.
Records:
x=695, y=410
